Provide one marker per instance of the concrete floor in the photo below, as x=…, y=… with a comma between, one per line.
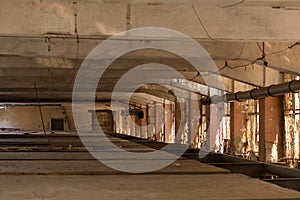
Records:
x=63, y=175
x=94, y=167
x=89, y=179
x=146, y=187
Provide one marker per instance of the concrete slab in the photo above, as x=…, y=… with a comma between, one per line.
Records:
x=46, y=156
x=136, y=187
x=87, y=167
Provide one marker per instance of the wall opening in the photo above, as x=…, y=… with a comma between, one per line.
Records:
x=57, y=124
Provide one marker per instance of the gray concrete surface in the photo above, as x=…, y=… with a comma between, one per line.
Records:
x=140, y=187
x=74, y=167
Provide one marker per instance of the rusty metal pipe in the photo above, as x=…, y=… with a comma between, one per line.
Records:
x=273, y=90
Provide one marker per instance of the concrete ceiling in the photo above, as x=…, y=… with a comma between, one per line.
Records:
x=39, y=44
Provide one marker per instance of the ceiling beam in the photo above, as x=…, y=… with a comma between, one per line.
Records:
x=17, y=67
x=220, y=20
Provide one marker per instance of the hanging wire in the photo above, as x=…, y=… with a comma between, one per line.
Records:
x=264, y=56
x=261, y=58
x=75, y=28
x=41, y=115
x=242, y=50
x=285, y=49
x=232, y=5
x=257, y=43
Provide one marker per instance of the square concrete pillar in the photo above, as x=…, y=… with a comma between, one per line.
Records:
x=238, y=121
x=195, y=122
x=271, y=129
x=207, y=137
x=177, y=118
x=132, y=121
x=143, y=122
x=181, y=122
x=214, y=126
x=169, y=122
x=150, y=121
x=160, y=125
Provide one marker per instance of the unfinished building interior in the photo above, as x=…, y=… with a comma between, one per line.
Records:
x=92, y=90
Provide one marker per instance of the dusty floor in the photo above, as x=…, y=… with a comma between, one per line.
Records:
x=130, y=187
x=31, y=173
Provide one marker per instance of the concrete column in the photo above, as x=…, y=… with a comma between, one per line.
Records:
x=214, y=128
x=126, y=125
x=151, y=122
x=177, y=117
x=164, y=121
x=271, y=129
x=189, y=120
x=169, y=122
x=143, y=122
x=159, y=126
x=132, y=122
x=195, y=116
x=238, y=122
x=154, y=121
x=148, y=121
x=182, y=122
x=207, y=138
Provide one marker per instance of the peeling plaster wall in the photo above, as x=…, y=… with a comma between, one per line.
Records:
x=28, y=117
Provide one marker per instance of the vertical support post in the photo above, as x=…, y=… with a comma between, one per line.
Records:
x=238, y=128
x=177, y=118
x=173, y=122
x=232, y=125
x=169, y=119
x=132, y=122
x=144, y=122
x=147, y=121
x=200, y=133
x=164, y=121
x=207, y=141
x=120, y=121
x=154, y=120
x=141, y=123
x=160, y=122
x=271, y=129
x=189, y=118
x=194, y=120
x=262, y=133
x=207, y=137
